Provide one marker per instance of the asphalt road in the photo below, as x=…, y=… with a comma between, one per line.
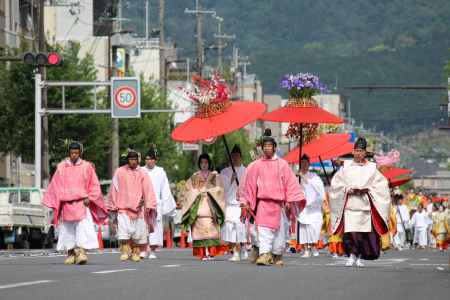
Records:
x=176, y=274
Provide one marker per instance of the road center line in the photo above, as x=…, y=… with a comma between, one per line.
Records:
x=170, y=266
x=113, y=271
x=20, y=284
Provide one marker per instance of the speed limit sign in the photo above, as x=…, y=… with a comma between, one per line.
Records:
x=125, y=97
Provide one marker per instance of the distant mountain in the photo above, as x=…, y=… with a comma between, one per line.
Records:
x=345, y=42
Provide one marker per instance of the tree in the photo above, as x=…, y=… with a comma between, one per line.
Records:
x=17, y=106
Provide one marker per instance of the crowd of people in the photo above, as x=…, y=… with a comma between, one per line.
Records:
x=265, y=209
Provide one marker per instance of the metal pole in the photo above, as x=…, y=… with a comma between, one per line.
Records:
x=300, y=145
x=220, y=48
x=229, y=159
x=162, y=58
x=147, y=25
x=324, y=171
x=37, y=130
x=199, y=38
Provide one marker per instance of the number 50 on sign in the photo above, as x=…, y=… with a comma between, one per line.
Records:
x=125, y=97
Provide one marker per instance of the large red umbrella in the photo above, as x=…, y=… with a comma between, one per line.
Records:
x=337, y=152
x=216, y=114
x=395, y=172
x=303, y=112
x=319, y=147
x=394, y=182
x=237, y=115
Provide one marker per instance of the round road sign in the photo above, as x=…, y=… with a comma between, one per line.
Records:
x=125, y=97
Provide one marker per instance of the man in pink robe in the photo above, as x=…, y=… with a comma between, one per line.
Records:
x=75, y=196
x=272, y=193
x=132, y=204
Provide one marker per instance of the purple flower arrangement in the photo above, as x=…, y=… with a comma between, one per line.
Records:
x=302, y=85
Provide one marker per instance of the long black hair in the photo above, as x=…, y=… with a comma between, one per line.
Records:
x=205, y=156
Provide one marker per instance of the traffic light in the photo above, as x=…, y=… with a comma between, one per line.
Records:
x=51, y=59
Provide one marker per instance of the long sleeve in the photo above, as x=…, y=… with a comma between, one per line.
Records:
x=169, y=205
x=294, y=192
x=248, y=189
x=148, y=193
x=111, y=199
x=51, y=194
x=93, y=187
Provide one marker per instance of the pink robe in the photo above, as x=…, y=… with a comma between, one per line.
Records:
x=270, y=184
x=130, y=192
x=70, y=185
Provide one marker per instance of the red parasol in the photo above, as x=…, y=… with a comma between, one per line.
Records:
x=337, y=152
x=394, y=182
x=395, y=172
x=216, y=115
x=237, y=115
x=320, y=147
x=302, y=114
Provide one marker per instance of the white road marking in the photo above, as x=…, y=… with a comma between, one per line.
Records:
x=427, y=264
x=424, y=259
x=20, y=284
x=170, y=266
x=112, y=271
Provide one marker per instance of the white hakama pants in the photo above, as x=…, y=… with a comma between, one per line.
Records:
x=135, y=230
x=233, y=230
x=156, y=238
x=309, y=233
x=399, y=239
x=80, y=234
x=420, y=236
x=273, y=240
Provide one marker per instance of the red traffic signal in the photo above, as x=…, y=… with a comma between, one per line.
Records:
x=42, y=59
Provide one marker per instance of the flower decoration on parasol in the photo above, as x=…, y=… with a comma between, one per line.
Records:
x=302, y=111
x=216, y=115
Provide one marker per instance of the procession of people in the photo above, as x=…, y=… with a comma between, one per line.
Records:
x=260, y=207
x=243, y=208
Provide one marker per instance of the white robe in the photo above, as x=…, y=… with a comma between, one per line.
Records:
x=356, y=210
x=420, y=221
x=165, y=203
x=311, y=217
x=233, y=230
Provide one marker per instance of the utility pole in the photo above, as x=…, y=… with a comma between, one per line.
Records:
x=162, y=55
x=221, y=37
x=199, y=15
x=147, y=20
x=199, y=38
x=42, y=70
x=115, y=145
x=244, y=62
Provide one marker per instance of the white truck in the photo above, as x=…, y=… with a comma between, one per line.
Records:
x=24, y=222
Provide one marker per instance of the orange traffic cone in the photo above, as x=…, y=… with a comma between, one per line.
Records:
x=183, y=237
x=168, y=239
x=100, y=238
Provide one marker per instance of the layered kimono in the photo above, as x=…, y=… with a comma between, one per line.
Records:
x=131, y=195
x=363, y=219
x=269, y=187
x=70, y=185
x=165, y=203
x=203, y=211
x=233, y=231
x=441, y=229
x=311, y=217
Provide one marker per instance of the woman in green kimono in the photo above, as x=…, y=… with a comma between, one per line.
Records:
x=203, y=210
